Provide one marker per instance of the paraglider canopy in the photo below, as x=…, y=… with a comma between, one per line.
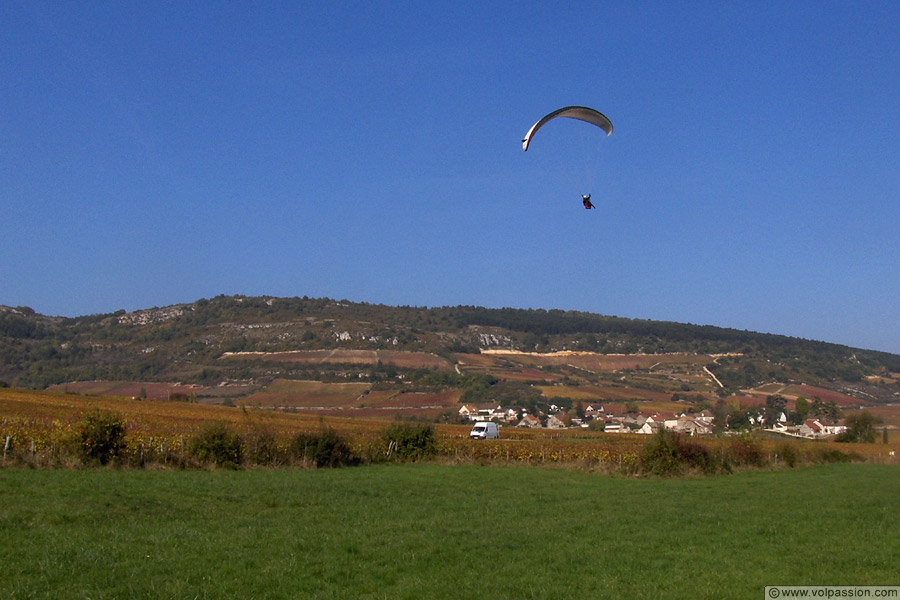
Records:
x=581, y=113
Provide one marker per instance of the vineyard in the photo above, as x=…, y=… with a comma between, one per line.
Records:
x=42, y=428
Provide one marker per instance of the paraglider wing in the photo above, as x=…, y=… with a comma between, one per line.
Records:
x=582, y=113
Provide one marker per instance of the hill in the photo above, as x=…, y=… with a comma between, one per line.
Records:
x=235, y=348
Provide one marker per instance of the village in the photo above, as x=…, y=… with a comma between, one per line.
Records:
x=597, y=418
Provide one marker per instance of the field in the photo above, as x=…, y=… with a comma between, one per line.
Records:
x=284, y=393
x=656, y=382
x=433, y=531
x=542, y=521
x=591, y=361
x=313, y=397
x=610, y=394
x=811, y=392
x=664, y=372
x=40, y=427
x=409, y=360
x=889, y=414
x=153, y=391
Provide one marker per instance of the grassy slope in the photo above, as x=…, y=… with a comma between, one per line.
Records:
x=430, y=531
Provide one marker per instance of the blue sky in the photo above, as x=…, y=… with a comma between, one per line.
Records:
x=153, y=153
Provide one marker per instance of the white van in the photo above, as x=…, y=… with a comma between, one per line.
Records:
x=484, y=431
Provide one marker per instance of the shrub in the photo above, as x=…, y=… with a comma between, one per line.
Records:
x=831, y=455
x=410, y=442
x=217, y=444
x=262, y=446
x=323, y=449
x=670, y=454
x=787, y=452
x=744, y=451
x=660, y=455
x=860, y=428
x=695, y=455
x=101, y=436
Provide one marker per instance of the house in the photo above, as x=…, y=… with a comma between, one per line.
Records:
x=510, y=415
x=558, y=421
x=529, y=421
x=782, y=417
x=487, y=412
x=690, y=425
x=705, y=417
x=636, y=421
x=812, y=428
x=593, y=411
x=468, y=411
x=651, y=425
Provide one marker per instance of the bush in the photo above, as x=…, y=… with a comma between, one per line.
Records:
x=696, y=455
x=660, y=456
x=101, y=436
x=831, y=455
x=670, y=454
x=860, y=428
x=323, y=449
x=410, y=442
x=787, y=452
x=217, y=444
x=744, y=451
x=262, y=446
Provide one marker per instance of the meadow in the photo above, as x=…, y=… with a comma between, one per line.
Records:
x=439, y=531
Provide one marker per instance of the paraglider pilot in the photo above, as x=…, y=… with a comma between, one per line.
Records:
x=587, y=201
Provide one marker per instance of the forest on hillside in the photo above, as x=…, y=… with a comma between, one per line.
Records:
x=184, y=342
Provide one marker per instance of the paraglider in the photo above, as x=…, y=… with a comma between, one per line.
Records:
x=580, y=113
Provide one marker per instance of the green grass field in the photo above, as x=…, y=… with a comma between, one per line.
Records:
x=433, y=531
